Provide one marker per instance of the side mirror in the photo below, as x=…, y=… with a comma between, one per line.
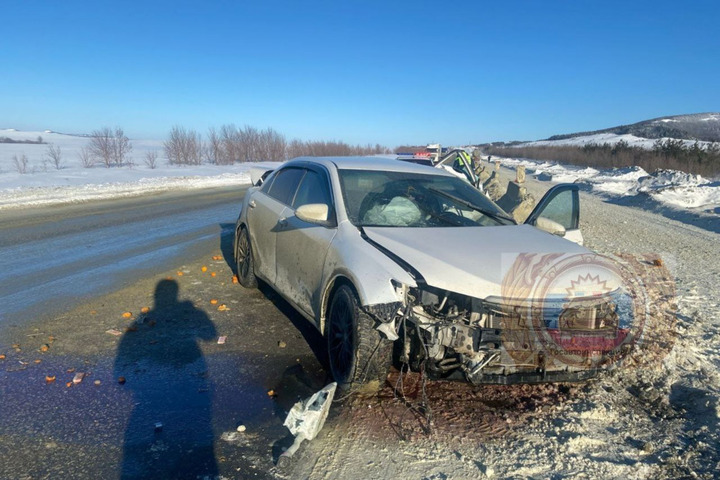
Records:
x=313, y=213
x=550, y=226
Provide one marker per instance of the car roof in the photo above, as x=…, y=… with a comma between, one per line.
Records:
x=390, y=164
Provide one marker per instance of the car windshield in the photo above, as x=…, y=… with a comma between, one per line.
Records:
x=401, y=199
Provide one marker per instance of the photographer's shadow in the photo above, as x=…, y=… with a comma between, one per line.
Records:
x=169, y=434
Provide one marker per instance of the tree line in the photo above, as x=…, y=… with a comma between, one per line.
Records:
x=230, y=144
x=665, y=154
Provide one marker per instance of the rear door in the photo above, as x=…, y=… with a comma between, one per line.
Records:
x=561, y=205
x=264, y=218
x=302, y=246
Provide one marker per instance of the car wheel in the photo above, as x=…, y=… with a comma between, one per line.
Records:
x=358, y=353
x=244, y=261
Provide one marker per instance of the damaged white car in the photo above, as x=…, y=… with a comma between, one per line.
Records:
x=374, y=252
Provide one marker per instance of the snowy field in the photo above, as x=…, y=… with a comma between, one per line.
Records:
x=43, y=184
x=668, y=187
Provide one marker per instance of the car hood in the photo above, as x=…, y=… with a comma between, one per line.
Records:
x=469, y=260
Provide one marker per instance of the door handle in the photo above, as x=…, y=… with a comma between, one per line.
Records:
x=251, y=204
x=282, y=222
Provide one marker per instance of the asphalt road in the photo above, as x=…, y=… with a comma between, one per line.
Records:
x=52, y=259
x=155, y=394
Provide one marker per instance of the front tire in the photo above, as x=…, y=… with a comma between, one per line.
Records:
x=357, y=352
x=244, y=261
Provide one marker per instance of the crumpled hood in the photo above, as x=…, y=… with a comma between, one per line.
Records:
x=468, y=260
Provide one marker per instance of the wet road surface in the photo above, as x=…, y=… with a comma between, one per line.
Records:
x=158, y=397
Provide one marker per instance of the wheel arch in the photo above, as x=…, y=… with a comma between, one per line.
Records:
x=332, y=286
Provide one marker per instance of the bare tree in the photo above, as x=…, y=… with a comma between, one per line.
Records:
x=54, y=154
x=151, y=159
x=183, y=147
x=21, y=163
x=110, y=147
x=214, y=150
x=121, y=147
x=86, y=158
x=101, y=146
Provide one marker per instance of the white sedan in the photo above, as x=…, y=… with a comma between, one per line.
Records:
x=374, y=251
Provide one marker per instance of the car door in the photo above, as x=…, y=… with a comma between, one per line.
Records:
x=560, y=206
x=303, y=246
x=265, y=211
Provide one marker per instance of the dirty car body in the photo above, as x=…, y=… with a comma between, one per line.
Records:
x=374, y=251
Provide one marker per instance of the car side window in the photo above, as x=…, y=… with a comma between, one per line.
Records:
x=560, y=209
x=285, y=184
x=313, y=189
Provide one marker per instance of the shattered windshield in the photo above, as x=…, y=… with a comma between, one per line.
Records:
x=401, y=199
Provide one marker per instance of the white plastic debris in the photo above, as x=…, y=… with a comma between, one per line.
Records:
x=307, y=417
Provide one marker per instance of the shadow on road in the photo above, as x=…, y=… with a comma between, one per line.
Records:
x=169, y=434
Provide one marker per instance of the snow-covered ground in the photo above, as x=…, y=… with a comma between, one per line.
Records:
x=668, y=187
x=43, y=184
x=605, y=138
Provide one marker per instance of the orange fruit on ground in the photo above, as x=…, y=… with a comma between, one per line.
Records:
x=127, y=315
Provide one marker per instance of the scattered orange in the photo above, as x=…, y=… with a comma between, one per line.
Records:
x=49, y=378
x=213, y=301
x=204, y=268
x=144, y=309
x=212, y=274
x=235, y=279
x=127, y=315
x=45, y=348
x=180, y=274
x=2, y=356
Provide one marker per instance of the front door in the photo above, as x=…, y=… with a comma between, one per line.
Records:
x=302, y=246
x=561, y=204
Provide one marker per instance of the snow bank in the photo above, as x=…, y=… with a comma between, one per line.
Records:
x=43, y=184
x=669, y=187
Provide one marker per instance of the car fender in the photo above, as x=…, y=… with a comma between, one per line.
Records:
x=353, y=259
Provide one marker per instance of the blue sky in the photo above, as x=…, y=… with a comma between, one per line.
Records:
x=363, y=72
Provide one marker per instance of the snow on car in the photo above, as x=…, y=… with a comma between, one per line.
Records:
x=374, y=251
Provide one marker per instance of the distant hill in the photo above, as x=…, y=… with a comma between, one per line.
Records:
x=696, y=126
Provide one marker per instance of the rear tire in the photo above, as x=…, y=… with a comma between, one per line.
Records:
x=243, y=260
x=358, y=353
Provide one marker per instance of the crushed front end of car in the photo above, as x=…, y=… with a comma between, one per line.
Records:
x=552, y=337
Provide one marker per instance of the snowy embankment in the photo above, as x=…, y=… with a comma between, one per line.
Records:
x=44, y=184
x=668, y=187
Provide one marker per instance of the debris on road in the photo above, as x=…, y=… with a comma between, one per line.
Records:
x=158, y=427
x=241, y=428
x=49, y=378
x=114, y=331
x=307, y=417
x=78, y=377
x=221, y=340
x=121, y=380
x=282, y=344
x=127, y=314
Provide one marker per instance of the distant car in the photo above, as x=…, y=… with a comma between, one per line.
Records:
x=374, y=251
